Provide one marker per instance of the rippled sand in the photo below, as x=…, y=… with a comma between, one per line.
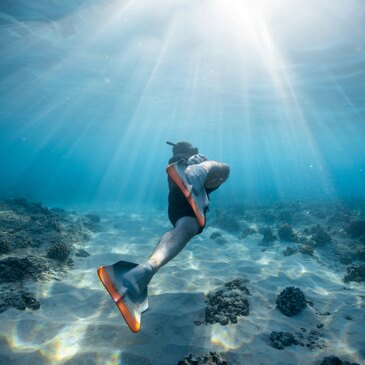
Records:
x=78, y=323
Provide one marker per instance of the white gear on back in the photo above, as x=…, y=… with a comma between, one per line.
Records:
x=195, y=159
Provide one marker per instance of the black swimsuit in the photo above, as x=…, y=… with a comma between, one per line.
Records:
x=178, y=205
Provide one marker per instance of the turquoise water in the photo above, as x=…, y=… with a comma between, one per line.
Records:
x=91, y=90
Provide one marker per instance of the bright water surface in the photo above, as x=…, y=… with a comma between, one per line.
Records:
x=90, y=90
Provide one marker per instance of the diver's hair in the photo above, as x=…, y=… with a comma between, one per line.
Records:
x=183, y=148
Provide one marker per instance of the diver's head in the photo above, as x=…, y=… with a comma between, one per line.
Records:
x=183, y=148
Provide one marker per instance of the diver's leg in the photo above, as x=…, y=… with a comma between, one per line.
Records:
x=169, y=245
x=173, y=241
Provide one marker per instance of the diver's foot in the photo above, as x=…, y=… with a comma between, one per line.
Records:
x=135, y=281
x=126, y=282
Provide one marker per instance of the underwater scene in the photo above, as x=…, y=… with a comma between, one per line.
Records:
x=182, y=182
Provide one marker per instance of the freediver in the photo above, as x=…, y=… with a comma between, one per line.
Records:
x=191, y=178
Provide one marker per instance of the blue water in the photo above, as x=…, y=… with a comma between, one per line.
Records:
x=91, y=90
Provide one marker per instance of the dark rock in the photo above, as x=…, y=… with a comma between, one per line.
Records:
x=356, y=229
x=334, y=360
x=287, y=233
x=238, y=284
x=4, y=246
x=360, y=253
x=247, y=231
x=267, y=234
x=30, y=301
x=54, y=225
x=22, y=240
x=306, y=250
x=279, y=340
x=25, y=228
x=82, y=253
x=346, y=259
x=59, y=251
x=331, y=360
x=291, y=301
x=224, y=306
x=223, y=321
x=14, y=269
x=319, y=236
x=221, y=240
x=18, y=299
x=277, y=345
x=215, y=235
x=289, y=251
x=312, y=339
x=213, y=358
x=355, y=273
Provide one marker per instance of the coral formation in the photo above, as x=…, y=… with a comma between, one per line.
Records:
x=247, y=231
x=355, y=273
x=287, y=233
x=19, y=300
x=279, y=340
x=289, y=251
x=26, y=229
x=291, y=301
x=81, y=253
x=306, y=250
x=4, y=246
x=319, y=236
x=312, y=339
x=15, y=269
x=58, y=251
x=238, y=284
x=268, y=236
x=224, y=306
x=92, y=222
x=213, y=358
x=359, y=252
x=334, y=360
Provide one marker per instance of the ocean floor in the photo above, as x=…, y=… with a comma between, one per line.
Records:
x=277, y=284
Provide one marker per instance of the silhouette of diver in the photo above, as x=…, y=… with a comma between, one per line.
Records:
x=191, y=178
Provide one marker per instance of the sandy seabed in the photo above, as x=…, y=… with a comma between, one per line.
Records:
x=77, y=322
